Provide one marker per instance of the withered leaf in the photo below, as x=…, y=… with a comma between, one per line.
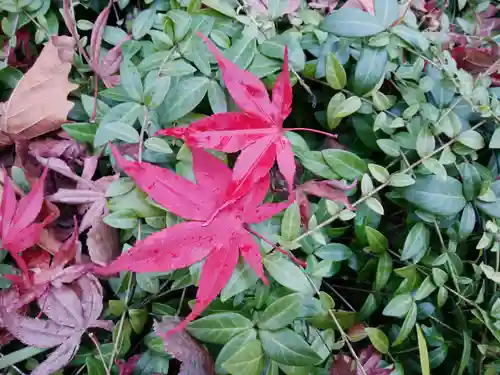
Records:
x=39, y=103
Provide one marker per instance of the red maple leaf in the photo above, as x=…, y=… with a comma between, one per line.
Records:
x=217, y=232
x=18, y=219
x=45, y=273
x=257, y=131
x=369, y=359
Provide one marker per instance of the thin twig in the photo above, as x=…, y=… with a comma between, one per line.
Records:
x=98, y=347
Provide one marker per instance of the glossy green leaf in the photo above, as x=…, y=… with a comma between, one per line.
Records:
x=370, y=69
x=281, y=312
x=436, y=196
x=466, y=353
x=232, y=347
x=384, y=271
x=408, y=324
x=336, y=252
x=335, y=72
x=216, y=98
x=184, y=95
x=398, y=306
x=290, y=225
x=378, y=339
x=131, y=81
x=247, y=361
x=386, y=11
x=219, y=328
x=288, y=274
x=288, y=348
x=425, y=289
x=345, y=163
x=377, y=241
x=417, y=242
x=352, y=22
x=423, y=352
x=243, y=277
x=413, y=37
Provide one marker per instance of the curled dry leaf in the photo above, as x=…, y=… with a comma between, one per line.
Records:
x=71, y=310
x=103, y=242
x=195, y=359
x=28, y=113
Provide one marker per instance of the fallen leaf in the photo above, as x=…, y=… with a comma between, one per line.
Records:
x=18, y=219
x=183, y=347
x=71, y=310
x=127, y=367
x=257, y=132
x=261, y=7
x=103, y=242
x=217, y=233
x=28, y=113
x=329, y=189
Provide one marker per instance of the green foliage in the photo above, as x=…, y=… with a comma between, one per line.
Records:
x=416, y=261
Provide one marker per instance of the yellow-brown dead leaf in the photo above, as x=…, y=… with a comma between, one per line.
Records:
x=39, y=103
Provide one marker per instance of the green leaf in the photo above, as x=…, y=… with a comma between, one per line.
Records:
x=347, y=107
x=243, y=277
x=130, y=79
x=417, y=242
x=495, y=139
x=242, y=51
x=158, y=145
x=143, y=23
x=155, y=89
x=471, y=181
x=148, y=283
x=411, y=36
x=425, y=289
x=263, y=66
x=19, y=356
x=331, y=109
x=288, y=348
x=423, y=352
x=288, y=274
x=345, y=163
x=184, y=95
x=94, y=366
x=177, y=24
x=384, y=271
x=408, y=324
x=290, y=225
x=152, y=363
x=467, y=222
x=281, y=312
x=216, y=98
x=389, y=147
x=138, y=318
x=386, y=11
x=439, y=276
x=436, y=196
x=115, y=130
x=351, y=22
x=82, y=132
x=378, y=339
x=177, y=68
x=379, y=173
x=368, y=307
x=425, y=142
x=471, y=139
x=126, y=219
x=247, y=361
x=219, y=328
x=466, y=352
x=232, y=347
x=336, y=252
x=316, y=163
x=401, y=180
x=276, y=8
x=335, y=72
x=275, y=48
x=490, y=273
x=370, y=69
x=398, y=306
x=377, y=241
x=223, y=7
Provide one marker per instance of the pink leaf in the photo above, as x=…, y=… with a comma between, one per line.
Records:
x=59, y=357
x=96, y=36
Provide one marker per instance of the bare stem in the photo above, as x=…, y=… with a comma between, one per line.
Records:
x=313, y=131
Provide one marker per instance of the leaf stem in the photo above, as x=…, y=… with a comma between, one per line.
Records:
x=313, y=131
x=101, y=357
x=278, y=248
x=382, y=186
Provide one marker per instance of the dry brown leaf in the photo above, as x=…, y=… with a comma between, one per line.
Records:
x=39, y=103
x=103, y=242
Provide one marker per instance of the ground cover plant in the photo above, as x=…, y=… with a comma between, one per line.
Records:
x=250, y=187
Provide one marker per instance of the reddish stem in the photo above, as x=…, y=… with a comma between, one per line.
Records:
x=313, y=131
x=96, y=92
x=275, y=246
